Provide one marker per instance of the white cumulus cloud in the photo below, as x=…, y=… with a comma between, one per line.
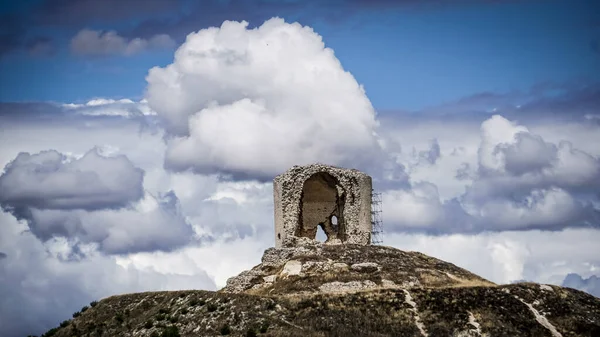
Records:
x=258, y=101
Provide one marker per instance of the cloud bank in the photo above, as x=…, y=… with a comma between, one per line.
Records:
x=43, y=284
x=48, y=180
x=518, y=181
x=92, y=199
x=235, y=217
x=99, y=43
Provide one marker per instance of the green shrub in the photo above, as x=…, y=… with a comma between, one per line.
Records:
x=225, y=330
x=76, y=314
x=50, y=332
x=154, y=334
x=85, y=307
x=183, y=311
x=93, y=303
x=264, y=327
x=119, y=317
x=170, y=331
x=212, y=307
x=148, y=324
x=160, y=317
x=163, y=311
x=173, y=319
x=251, y=333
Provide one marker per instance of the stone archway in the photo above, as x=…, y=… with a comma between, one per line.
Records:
x=321, y=205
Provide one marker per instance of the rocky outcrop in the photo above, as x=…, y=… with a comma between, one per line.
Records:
x=312, y=267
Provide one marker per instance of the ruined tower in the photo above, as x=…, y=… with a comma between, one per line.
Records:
x=336, y=199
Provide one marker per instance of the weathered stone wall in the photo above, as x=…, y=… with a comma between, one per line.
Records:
x=308, y=196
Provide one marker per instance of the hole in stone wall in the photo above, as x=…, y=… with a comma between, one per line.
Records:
x=321, y=236
x=279, y=236
x=320, y=199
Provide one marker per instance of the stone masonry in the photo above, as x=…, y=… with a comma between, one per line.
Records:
x=336, y=199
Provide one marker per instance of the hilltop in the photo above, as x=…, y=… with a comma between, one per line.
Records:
x=318, y=289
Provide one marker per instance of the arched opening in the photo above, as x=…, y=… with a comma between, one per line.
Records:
x=322, y=205
x=333, y=220
x=321, y=236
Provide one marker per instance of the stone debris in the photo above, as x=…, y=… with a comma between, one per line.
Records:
x=475, y=324
x=365, y=267
x=340, y=265
x=319, y=263
x=541, y=319
x=411, y=283
x=270, y=278
x=475, y=331
x=316, y=266
x=409, y=300
x=388, y=284
x=292, y=268
x=243, y=281
x=347, y=287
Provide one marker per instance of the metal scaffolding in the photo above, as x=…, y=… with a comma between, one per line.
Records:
x=376, y=222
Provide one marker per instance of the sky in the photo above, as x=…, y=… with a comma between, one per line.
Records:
x=139, y=138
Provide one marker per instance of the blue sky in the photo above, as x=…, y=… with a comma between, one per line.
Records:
x=407, y=56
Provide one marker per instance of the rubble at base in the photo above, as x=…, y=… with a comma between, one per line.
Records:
x=309, y=266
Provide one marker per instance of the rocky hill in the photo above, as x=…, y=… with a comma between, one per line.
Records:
x=346, y=290
x=308, y=268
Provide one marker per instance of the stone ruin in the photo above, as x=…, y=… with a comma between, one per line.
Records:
x=336, y=199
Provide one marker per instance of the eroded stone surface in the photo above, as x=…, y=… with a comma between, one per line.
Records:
x=292, y=268
x=305, y=268
x=340, y=265
x=409, y=300
x=270, y=278
x=347, y=287
x=367, y=267
x=336, y=199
